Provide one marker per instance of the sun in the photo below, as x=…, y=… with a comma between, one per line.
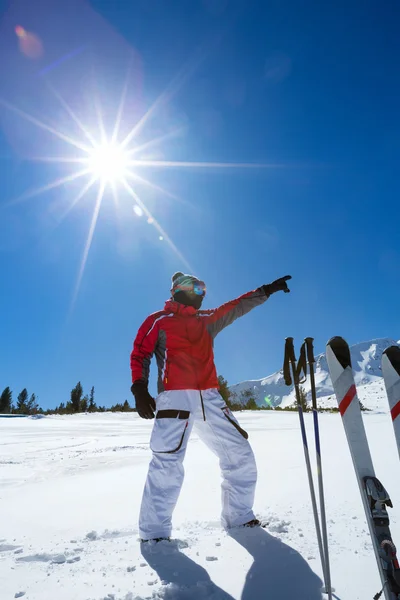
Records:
x=112, y=163
x=108, y=162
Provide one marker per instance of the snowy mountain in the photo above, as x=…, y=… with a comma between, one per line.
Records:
x=366, y=360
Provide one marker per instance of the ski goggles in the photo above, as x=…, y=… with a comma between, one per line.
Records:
x=199, y=288
x=194, y=287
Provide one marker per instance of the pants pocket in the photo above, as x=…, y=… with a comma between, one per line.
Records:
x=169, y=431
x=230, y=417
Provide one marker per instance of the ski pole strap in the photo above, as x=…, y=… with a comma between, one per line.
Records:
x=290, y=359
x=302, y=365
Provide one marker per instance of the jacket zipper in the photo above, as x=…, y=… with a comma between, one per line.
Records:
x=201, y=395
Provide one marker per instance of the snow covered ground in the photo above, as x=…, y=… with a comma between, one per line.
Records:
x=70, y=489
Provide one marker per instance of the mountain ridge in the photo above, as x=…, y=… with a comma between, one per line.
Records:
x=366, y=360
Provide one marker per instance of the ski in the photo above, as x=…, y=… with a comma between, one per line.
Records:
x=391, y=376
x=374, y=496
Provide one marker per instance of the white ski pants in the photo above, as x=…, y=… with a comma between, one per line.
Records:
x=177, y=412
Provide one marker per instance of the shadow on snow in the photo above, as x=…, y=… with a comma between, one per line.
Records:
x=186, y=579
x=278, y=572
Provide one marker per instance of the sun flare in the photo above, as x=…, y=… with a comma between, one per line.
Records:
x=114, y=164
x=108, y=162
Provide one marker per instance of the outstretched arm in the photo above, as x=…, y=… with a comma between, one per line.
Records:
x=226, y=314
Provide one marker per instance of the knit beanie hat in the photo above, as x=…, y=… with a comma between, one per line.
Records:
x=182, y=282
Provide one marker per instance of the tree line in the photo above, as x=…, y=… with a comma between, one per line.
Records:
x=78, y=403
x=25, y=405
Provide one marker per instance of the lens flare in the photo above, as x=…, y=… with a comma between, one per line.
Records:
x=29, y=44
x=268, y=401
x=20, y=31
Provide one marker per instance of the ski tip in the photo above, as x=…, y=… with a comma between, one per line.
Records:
x=393, y=354
x=341, y=350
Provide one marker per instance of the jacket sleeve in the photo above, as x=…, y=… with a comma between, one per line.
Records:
x=221, y=317
x=143, y=349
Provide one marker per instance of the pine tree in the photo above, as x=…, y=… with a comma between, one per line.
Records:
x=76, y=397
x=227, y=394
x=126, y=407
x=252, y=404
x=22, y=407
x=84, y=403
x=6, y=401
x=32, y=405
x=303, y=398
x=248, y=400
x=92, y=404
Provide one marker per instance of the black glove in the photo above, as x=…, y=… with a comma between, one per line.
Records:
x=279, y=285
x=145, y=404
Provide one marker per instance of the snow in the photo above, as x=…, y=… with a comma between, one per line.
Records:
x=366, y=361
x=70, y=490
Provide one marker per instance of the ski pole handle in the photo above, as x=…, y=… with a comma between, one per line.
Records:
x=289, y=349
x=289, y=360
x=310, y=349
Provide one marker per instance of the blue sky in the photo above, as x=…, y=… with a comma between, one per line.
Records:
x=308, y=87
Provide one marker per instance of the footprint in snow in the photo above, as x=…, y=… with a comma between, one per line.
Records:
x=211, y=558
x=56, y=559
x=43, y=557
x=73, y=560
x=108, y=535
x=8, y=547
x=19, y=594
x=280, y=528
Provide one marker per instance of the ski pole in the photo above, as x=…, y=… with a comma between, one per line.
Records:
x=311, y=361
x=290, y=361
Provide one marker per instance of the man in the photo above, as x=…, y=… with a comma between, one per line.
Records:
x=181, y=336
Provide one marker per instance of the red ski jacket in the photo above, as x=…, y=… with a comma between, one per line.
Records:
x=181, y=338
